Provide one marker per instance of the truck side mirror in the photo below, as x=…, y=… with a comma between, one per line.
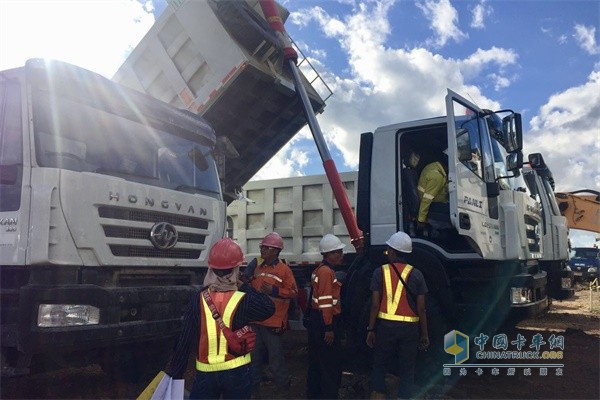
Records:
x=514, y=162
x=512, y=128
x=536, y=160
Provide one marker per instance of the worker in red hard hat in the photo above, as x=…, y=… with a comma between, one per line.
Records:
x=218, y=372
x=271, y=275
x=324, y=374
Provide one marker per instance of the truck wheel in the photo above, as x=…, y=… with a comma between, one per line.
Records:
x=245, y=25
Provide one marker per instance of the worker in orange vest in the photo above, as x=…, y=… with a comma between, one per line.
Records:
x=324, y=330
x=270, y=275
x=219, y=372
x=397, y=322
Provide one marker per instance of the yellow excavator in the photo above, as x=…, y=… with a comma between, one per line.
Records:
x=581, y=208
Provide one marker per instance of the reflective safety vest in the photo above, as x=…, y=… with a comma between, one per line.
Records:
x=281, y=276
x=212, y=348
x=394, y=300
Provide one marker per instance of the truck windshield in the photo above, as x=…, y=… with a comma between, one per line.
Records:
x=121, y=139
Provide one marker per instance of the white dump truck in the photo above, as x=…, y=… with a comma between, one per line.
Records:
x=110, y=198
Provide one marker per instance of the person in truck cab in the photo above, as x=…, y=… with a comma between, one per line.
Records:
x=433, y=195
x=270, y=275
x=218, y=371
x=397, y=320
x=324, y=330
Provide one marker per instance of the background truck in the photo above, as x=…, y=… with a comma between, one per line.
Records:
x=110, y=198
x=555, y=229
x=486, y=269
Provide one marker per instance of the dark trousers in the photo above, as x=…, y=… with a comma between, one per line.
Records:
x=324, y=362
x=395, y=343
x=233, y=383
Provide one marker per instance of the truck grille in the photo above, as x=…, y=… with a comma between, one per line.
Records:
x=533, y=234
x=192, y=233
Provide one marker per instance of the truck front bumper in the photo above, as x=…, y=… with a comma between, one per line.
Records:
x=127, y=315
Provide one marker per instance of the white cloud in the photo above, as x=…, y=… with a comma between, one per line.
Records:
x=96, y=35
x=387, y=85
x=443, y=19
x=566, y=131
x=479, y=14
x=586, y=38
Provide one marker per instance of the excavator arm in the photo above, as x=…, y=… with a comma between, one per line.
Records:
x=581, y=208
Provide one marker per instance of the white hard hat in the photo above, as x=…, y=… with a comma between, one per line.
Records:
x=400, y=241
x=329, y=243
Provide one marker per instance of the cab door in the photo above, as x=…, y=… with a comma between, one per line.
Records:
x=473, y=194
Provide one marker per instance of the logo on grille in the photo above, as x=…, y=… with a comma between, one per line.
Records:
x=163, y=236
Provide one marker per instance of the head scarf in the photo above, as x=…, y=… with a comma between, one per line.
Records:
x=224, y=283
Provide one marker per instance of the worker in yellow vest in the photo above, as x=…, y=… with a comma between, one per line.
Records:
x=219, y=372
x=271, y=275
x=397, y=321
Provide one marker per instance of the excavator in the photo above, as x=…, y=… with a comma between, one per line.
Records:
x=581, y=208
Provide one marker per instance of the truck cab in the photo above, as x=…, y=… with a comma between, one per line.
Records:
x=487, y=257
x=555, y=232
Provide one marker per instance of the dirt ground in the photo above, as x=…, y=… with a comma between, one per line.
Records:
x=572, y=319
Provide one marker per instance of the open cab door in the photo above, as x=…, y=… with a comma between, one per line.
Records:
x=473, y=190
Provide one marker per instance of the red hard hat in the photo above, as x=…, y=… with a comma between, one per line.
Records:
x=273, y=240
x=225, y=254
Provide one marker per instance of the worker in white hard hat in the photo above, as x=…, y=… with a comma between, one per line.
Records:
x=397, y=321
x=271, y=275
x=324, y=331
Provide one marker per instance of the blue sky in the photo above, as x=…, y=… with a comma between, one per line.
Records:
x=386, y=61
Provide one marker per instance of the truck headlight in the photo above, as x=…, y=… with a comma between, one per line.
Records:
x=519, y=295
x=59, y=315
x=592, y=270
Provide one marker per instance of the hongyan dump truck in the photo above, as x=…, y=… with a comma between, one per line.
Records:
x=483, y=273
x=111, y=198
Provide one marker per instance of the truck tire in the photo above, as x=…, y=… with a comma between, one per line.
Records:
x=246, y=26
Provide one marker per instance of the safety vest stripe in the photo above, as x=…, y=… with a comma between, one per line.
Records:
x=267, y=275
x=394, y=317
x=233, y=363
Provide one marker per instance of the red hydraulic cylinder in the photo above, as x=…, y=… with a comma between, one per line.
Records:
x=272, y=15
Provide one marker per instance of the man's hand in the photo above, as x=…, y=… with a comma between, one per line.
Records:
x=329, y=336
x=421, y=226
x=266, y=288
x=424, y=342
x=371, y=339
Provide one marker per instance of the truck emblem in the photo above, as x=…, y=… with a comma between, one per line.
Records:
x=163, y=236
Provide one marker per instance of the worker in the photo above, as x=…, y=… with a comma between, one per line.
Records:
x=433, y=195
x=324, y=332
x=397, y=320
x=271, y=275
x=218, y=372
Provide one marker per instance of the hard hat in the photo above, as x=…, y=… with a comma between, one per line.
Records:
x=225, y=254
x=329, y=243
x=273, y=240
x=400, y=241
